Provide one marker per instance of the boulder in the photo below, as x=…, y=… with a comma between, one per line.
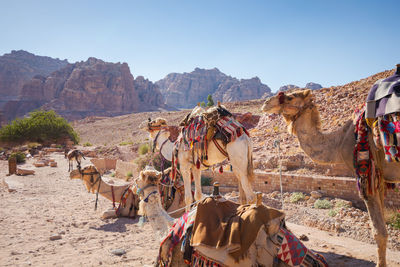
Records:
x=316, y=194
x=39, y=164
x=24, y=171
x=53, y=164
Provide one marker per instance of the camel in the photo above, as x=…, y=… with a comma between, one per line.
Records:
x=77, y=155
x=90, y=175
x=303, y=120
x=115, y=193
x=239, y=152
x=262, y=251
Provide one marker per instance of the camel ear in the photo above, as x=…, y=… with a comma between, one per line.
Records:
x=306, y=93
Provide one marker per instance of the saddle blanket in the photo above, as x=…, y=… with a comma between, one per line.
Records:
x=383, y=98
x=175, y=235
x=195, y=132
x=294, y=253
x=230, y=128
x=389, y=131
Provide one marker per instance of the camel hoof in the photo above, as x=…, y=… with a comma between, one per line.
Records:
x=109, y=214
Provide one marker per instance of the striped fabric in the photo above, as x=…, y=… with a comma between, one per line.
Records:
x=383, y=98
x=389, y=129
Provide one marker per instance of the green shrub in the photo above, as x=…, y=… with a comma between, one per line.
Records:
x=206, y=181
x=33, y=145
x=394, y=219
x=143, y=149
x=125, y=143
x=113, y=174
x=19, y=156
x=87, y=144
x=332, y=212
x=40, y=126
x=342, y=204
x=296, y=197
x=322, y=204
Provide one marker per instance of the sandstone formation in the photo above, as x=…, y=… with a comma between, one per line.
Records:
x=288, y=87
x=313, y=86
x=93, y=87
x=18, y=67
x=187, y=89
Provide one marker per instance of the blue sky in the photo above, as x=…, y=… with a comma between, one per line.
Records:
x=281, y=42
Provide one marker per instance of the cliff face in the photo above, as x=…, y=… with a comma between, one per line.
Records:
x=19, y=67
x=93, y=87
x=187, y=89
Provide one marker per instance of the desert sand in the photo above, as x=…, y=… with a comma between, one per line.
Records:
x=48, y=205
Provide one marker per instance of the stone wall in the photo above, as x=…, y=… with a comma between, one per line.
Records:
x=340, y=187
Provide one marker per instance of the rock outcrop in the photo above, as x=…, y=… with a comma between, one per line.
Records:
x=93, y=87
x=288, y=87
x=19, y=67
x=313, y=86
x=187, y=89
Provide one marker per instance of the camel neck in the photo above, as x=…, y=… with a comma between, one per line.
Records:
x=323, y=148
x=166, y=147
x=154, y=209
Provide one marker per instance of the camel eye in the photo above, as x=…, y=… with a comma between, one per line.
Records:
x=289, y=98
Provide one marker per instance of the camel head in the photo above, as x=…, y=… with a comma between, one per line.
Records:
x=147, y=184
x=154, y=126
x=290, y=105
x=90, y=176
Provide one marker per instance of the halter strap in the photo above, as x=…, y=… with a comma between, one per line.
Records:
x=147, y=198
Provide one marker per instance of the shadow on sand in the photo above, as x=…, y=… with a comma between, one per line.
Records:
x=118, y=226
x=339, y=260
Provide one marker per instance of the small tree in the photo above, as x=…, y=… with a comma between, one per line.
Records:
x=202, y=104
x=210, y=101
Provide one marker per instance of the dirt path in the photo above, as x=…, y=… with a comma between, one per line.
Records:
x=49, y=204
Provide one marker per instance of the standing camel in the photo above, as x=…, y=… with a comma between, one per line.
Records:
x=303, y=120
x=262, y=251
x=238, y=151
x=77, y=155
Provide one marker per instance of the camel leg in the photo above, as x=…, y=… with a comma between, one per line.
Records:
x=197, y=183
x=188, y=187
x=239, y=163
x=242, y=194
x=375, y=210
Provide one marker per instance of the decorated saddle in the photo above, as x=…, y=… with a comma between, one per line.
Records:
x=381, y=117
x=383, y=98
x=235, y=228
x=201, y=126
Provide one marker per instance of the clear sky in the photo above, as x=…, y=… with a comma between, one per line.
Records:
x=282, y=42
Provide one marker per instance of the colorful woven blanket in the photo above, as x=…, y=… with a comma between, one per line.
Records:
x=195, y=133
x=389, y=129
x=230, y=128
x=367, y=175
x=175, y=235
x=383, y=98
x=294, y=253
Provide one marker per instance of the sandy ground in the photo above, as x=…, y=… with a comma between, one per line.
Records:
x=49, y=204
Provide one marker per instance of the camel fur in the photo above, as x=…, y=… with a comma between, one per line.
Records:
x=91, y=179
x=239, y=152
x=303, y=120
x=262, y=252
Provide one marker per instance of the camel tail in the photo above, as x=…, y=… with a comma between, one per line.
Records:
x=250, y=169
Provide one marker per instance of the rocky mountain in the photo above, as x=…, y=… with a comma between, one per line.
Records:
x=313, y=86
x=93, y=87
x=288, y=87
x=19, y=67
x=185, y=90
